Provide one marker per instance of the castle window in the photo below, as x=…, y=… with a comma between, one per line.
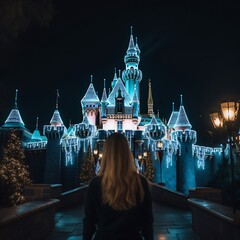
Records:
x=119, y=125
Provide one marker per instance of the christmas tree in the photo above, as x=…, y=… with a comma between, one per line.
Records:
x=13, y=172
x=87, y=169
x=148, y=173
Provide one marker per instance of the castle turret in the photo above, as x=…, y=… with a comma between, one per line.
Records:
x=90, y=104
x=54, y=133
x=150, y=99
x=132, y=75
x=185, y=138
x=182, y=122
x=14, y=121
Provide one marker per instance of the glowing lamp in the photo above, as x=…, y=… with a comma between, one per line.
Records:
x=100, y=155
x=145, y=154
x=160, y=144
x=95, y=151
x=230, y=110
x=216, y=119
x=140, y=157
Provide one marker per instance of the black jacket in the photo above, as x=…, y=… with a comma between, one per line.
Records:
x=109, y=224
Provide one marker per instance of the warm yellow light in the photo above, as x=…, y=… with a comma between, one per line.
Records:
x=216, y=119
x=160, y=144
x=145, y=154
x=100, y=155
x=230, y=110
x=95, y=151
x=139, y=157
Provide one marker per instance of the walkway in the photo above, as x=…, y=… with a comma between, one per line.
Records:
x=169, y=224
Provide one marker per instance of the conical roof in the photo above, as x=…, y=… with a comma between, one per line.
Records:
x=104, y=95
x=131, y=47
x=135, y=96
x=182, y=119
x=36, y=136
x=14, y=119
x=90, y=95
x=172, y=120
x=56, y=119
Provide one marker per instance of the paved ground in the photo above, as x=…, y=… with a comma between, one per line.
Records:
x=169, y=224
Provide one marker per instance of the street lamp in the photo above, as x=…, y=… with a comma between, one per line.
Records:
x=228, y=118
x=159, y=154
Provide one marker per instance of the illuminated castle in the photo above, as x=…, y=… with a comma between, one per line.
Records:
x=56, y=157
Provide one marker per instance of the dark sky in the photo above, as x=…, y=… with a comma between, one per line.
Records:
x=192, y=50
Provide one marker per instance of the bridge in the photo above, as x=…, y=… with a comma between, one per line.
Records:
x=170, y=223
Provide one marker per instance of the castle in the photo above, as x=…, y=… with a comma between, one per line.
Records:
x=56, y=157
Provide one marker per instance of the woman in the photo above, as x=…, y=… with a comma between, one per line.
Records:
x=118, y=203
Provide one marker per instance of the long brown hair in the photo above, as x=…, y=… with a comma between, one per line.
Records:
x=120, y=181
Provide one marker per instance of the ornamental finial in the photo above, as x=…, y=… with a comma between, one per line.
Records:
x=91, y=78
x=131, y=30
x=173, y=106
x=104, y=83
x=16, y=95
x=181, y=100
x=37, y=123
x=57, y=99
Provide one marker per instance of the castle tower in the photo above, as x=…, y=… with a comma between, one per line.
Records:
x=14, y=121
x=90, y=104
x=150, y=99
x=54, y=133
x=185, y=164
x=132, y=75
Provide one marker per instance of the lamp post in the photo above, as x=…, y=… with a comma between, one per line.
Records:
x=159, y=153
x=228, y=119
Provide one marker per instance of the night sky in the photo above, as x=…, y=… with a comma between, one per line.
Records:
x=193, y=50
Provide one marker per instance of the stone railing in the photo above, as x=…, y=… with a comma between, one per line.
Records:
x=169, y=197
x=31, y=220
x=42, y=192
x=207, y=193
x=214, y=221
x=73, y=197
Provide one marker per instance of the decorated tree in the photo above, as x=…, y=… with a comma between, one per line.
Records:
x=13, y=172
x=148, y=173
x=87, y=171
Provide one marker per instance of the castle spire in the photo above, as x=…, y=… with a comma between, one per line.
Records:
x=104, y=94
x=150, y=99
x=137, y=48
x=57, y=96
x=15, y=102
x=131, y=46
x=37, y=123
x=182, y=121
x=14, y=119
